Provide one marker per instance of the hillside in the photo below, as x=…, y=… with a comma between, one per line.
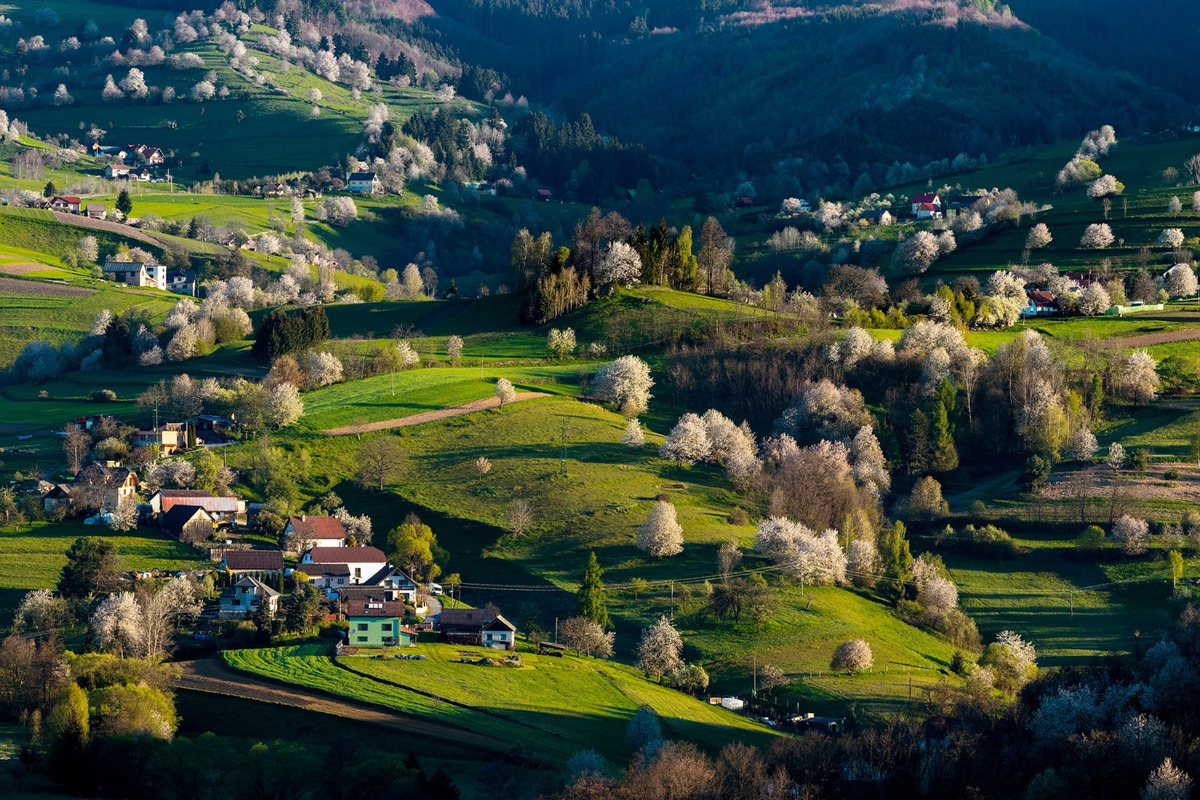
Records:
x=847, y=88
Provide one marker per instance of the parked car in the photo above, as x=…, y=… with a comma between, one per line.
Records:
x=435, y=589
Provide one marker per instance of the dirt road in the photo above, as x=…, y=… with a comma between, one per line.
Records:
x=208, y=675
x=430, y=416
x=1146, y=340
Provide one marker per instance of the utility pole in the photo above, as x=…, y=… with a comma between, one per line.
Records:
x=556, y=630
x=672, y=599
x=754, y=676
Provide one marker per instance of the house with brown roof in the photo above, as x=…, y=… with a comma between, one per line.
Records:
x=305, y=532
x=244, y=597
x=221, y=508
x=97, y=211
x=255, y=563
x=362, y=563
x=485, y=627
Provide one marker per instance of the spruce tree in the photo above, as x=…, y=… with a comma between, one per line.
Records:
x=943, y=455
x=917, y=445
x=124, y=203
x=590, y=601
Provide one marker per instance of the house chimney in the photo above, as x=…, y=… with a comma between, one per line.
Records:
x=304, y=517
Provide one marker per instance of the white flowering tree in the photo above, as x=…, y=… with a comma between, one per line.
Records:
x=621, y=264
x=504, y=391
x=660, y=650
x=687, y=442
x=626, y=383
x=852, y=657
x=1038, y=237
x=1097, y=236
x=661, y=535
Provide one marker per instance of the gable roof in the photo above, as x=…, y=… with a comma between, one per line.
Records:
x=253, y=559
x=927, y=197
x=928, y=207
x=472, y=618
x=306, y=527
x=499, y=624
x=66, y=199
x=378, y=608
x=362, y=176
x=326, y=570
x=345, y=555
x=388, y=572
x=100, y=475
x=1042, y=298
x=181, y=515
x=247, y=581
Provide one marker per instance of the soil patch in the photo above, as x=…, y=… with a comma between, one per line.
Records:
x=1149, y=339
x=41, y=287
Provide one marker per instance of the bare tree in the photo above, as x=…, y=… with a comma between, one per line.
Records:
x=518, y=516
x=380, y=461
x=76, y=445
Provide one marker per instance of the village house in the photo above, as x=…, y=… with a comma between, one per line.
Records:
x=394, y=581
x=1041, y=304
x=305, y=532
x=134, y=273
x=221, y=508
x=181, y=282
x=59, y=496
x=375, y=622
x=362, y=182
x=926, y=206
x=260, y=564
x=116, y=172
x=244, y=597
x=361, y=562
x=484, y=627
x=329, y=578
x=91, y=421
x=100, y=486
x=188, y=523
x=141, y=153
x=545, y=195
x=166, y=439
x=67, y=204
x=876, y=217
x=97, y=211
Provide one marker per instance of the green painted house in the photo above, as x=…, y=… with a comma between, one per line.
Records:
x=376, y=623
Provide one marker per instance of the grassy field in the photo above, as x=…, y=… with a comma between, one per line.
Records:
x=550, y=707
x=32, y=557
x=411, y=392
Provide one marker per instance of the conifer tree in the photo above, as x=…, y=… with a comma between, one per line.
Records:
x=590, y=601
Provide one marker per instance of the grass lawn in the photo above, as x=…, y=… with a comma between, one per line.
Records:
x=551, y=707
x=33, y=557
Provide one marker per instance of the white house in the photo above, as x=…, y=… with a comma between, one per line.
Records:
x=362, y=563
x=499, y=634
x=246, y=595
x=135, y=273
x=305, y=532
x=362, y=182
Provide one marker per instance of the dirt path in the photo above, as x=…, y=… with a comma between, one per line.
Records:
x=430, y=416
x=1149, y=339
x=207, y=675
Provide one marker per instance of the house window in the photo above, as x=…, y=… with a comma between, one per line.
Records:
x=360, y=639
x=358, y=572
x=362, y=626
x=489, y=637
x=387, y=626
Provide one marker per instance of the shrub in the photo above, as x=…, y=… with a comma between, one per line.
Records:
x=959, y=663
x=104, y=396
x=1171, y=474
x=739, y=517
x=1137, y=458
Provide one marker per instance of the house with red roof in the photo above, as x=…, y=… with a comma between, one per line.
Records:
x=66, y=203
x=927, y=206
x=305, y=532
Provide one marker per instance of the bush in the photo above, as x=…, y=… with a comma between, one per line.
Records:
x=104, y=396
x=959, y=663
x=988, y=541
x=1091, y=540
x=739, y=517
x=1136, y=459
x=852, y=657
x=1171, y=474
x=1036, y=475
